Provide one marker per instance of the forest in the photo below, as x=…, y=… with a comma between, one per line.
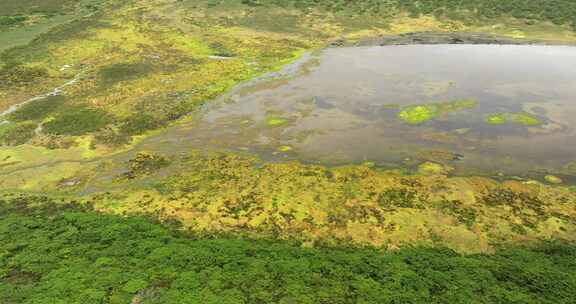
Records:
x=54, y=253
x=557, y=11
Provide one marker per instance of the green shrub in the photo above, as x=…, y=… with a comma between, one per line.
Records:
x=119, y=72
x=20, y=75
x=37, y=109
x=78, y=121
x=219, y=49
x=145, y=163
x=110, y=137
x=140, y=123
x=16, y=134
x=6, y=21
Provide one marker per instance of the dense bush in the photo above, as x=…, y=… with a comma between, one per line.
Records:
x=78, y=121
x=37, y=109
x=111, y=137
x=141, y=123
x=16, y=134
x=119, y=72
x=145, y=163
x=54, y=256
x=20, y=75
x=557, y=11
x=6, y=21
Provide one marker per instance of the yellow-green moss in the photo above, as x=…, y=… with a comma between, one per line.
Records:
x=418, y=114
x=275, y=121
x=520, y=118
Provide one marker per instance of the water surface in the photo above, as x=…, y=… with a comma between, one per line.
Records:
x=345, y=110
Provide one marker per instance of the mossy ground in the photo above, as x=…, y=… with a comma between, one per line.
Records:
x=354, y=205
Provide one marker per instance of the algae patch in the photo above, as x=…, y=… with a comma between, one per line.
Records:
x=285, y=149
x=418, y=114
x=520, y=118
x=275, y=121
x=552, y=179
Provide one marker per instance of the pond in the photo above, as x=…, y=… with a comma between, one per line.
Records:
x=477, y=109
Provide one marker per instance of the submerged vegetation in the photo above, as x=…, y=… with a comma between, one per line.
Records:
x=276, y=121
x=520, y=118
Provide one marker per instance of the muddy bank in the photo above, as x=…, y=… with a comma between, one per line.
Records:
x=445, y=38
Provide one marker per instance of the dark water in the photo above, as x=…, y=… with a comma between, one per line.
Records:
x=345, y=110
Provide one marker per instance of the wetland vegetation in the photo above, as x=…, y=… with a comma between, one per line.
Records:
x=268, y=151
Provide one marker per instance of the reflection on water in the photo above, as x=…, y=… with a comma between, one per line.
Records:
x=346, y=110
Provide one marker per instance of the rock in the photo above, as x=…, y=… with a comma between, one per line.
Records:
x=553, y=179
x=431, y=168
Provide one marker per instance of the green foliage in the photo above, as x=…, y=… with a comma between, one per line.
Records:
x=16, y=134
x=401, y=198
x=219, y=49
x=556, y=11
x=85, y=257
x=141, y=123
x=18, y=75
x=123, y=72
x=145, y=163
x=463, y=214
x=7, y=21
x=34, y=6
x=111, y=137
x=37, y=109
x=78, y=121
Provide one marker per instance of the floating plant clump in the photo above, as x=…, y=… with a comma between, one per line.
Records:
x=519, y=118
x=418, y=114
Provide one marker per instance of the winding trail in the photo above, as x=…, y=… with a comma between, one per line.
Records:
x=55, y=92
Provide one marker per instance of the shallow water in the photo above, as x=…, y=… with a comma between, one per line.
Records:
x=345, y=110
